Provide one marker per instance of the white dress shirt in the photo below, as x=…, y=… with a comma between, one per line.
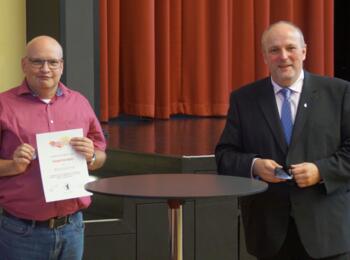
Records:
x=295, y=88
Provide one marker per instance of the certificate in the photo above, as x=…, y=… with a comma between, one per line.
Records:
x=63, y=171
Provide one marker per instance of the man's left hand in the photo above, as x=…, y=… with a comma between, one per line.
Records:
x=305, y=174
x=84, y=146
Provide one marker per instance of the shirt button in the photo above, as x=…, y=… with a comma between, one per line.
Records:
x=51, y=121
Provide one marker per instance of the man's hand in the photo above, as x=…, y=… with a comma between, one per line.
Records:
x=264, y=168
x=22, y=157
x=84, y=146
x=305, y=174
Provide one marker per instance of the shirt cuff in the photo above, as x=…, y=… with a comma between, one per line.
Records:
x=251, y=170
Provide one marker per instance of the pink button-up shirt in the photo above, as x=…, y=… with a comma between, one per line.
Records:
x=22, y=116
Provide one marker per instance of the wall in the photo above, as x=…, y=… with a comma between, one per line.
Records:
x=75, y=25
x=12, y=42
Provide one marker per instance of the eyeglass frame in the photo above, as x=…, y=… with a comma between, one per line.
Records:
x=39, y=63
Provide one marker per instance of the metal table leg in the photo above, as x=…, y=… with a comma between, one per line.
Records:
x=175, y=229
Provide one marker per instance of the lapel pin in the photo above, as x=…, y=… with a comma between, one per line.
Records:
x=305, y=105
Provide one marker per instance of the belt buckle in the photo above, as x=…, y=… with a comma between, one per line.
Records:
x=58, y=222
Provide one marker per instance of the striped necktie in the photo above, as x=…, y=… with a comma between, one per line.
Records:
x=286, y=114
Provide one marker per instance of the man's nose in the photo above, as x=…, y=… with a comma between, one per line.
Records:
x=45, y=66
x=284, y=54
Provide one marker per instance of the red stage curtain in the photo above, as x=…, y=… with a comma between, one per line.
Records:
x=165, y=57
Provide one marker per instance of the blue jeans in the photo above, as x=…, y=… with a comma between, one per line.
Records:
x=24, y=241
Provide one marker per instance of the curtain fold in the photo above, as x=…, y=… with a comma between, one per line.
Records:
x=166, y=57
x=109, y=59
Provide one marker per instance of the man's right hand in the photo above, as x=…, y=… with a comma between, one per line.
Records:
x=264, y=168
x=22, y=157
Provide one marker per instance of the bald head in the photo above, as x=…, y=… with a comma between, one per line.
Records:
x=43, y=65
x=284, y=52
x=282, y=26
x=42, y=42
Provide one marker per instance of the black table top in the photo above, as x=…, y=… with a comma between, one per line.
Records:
x=176, y=186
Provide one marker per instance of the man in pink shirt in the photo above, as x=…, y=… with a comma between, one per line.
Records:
x=31, y=228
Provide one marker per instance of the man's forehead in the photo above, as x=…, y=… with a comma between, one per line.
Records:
x=44, y=53
x=283, y=43
x=283, y=38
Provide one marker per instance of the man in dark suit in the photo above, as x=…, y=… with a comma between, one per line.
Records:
x=305, y=213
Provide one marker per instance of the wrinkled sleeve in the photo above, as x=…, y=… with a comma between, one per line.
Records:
x=230, y=156
x=335, y=170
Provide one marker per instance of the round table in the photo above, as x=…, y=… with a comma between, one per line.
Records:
x=175, y=188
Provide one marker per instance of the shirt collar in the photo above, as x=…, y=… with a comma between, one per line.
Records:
x=24, y=89
x=297, y=86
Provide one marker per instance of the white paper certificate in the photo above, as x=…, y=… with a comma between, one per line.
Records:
x=63, y=171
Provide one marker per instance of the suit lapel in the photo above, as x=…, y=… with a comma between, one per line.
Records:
x=267, y=102
x=305, y=103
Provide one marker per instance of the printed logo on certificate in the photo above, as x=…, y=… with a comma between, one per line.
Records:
x=63, y=171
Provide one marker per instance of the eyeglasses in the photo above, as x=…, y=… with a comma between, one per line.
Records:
x=39, y=63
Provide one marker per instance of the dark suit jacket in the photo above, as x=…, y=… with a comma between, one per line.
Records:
x=321, y=135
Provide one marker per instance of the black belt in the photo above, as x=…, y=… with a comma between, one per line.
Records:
x=51, y=223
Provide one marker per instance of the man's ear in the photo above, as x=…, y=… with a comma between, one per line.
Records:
x=304, y=52
x=23, y=64
x=264, y=57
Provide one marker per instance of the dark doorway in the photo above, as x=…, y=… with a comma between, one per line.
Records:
x=342, y=39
